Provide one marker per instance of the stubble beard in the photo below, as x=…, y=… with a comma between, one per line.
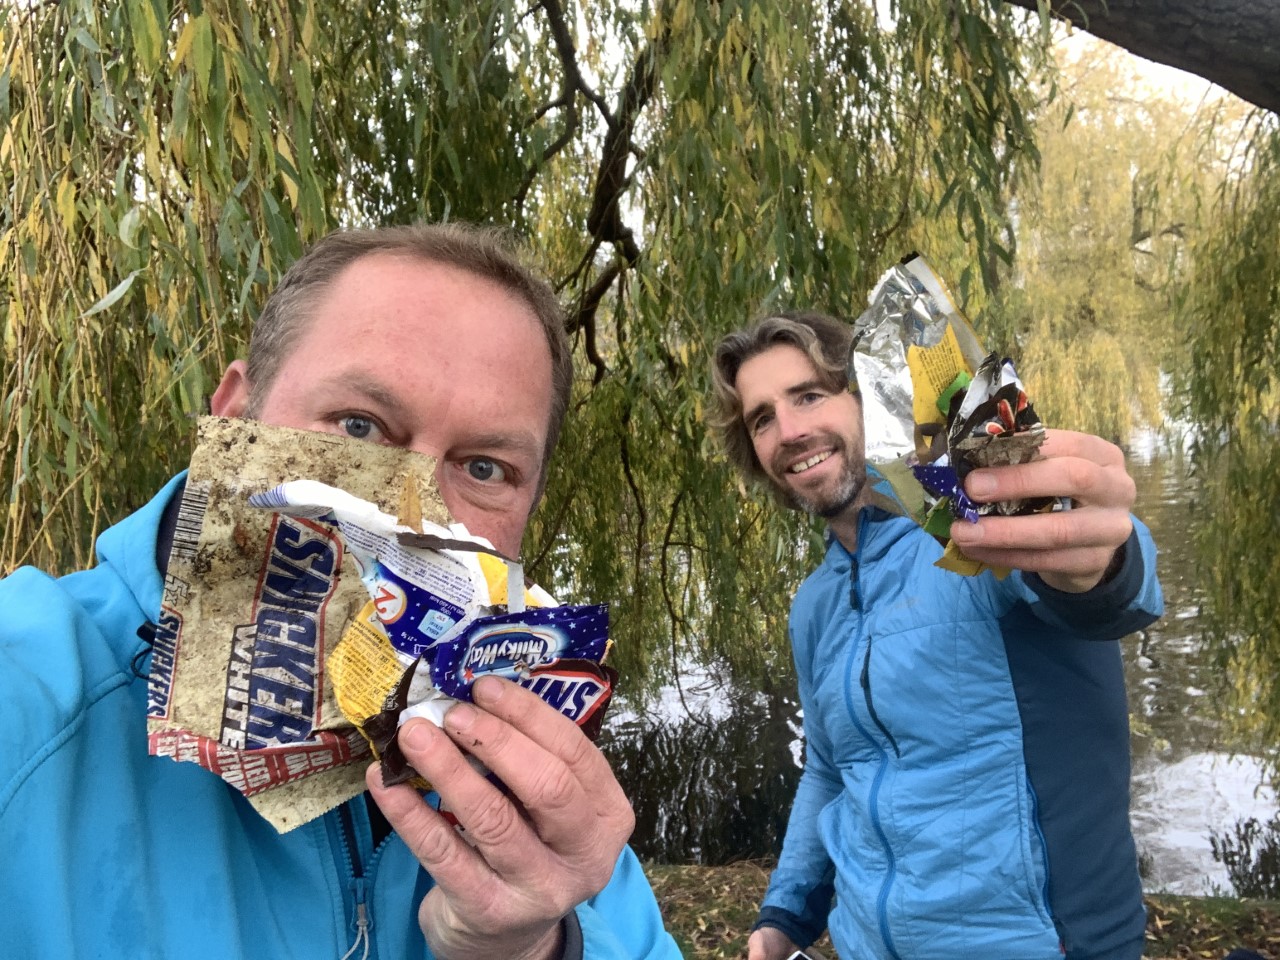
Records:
x=848, y=489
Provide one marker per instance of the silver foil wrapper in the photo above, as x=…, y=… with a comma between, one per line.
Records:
x=908, y=307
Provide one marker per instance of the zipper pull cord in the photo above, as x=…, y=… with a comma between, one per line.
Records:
x=362, y=934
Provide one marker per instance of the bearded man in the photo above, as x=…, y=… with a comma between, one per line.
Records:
x=966, y=782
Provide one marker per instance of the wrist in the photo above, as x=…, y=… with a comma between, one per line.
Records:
x=549, y=945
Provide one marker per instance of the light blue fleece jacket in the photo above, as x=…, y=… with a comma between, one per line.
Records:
x=108, y=852
x=966, y=783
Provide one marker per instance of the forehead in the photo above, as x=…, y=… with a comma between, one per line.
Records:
x=773, y=373
x=440, y=338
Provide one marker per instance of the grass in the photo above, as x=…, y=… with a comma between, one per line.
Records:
x=710, y=910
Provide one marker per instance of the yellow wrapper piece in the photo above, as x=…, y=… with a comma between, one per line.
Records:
x=364, y=668
x=495, y=577
x=933, y=369
x=952, y=559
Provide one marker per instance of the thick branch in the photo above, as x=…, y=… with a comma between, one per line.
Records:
x=604, y=220
x=584, y=317
x=1233, y=43
x=568, y=54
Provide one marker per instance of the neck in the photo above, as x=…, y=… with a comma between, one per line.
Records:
x=844, y=525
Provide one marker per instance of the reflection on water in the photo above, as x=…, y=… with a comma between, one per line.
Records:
x=711, y=774
x=1175, y=807
x=1185, y=784
x=711, y=770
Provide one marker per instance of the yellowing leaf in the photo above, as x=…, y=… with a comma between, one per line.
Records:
x=283, y=148
x=202, y=52
x=65, y=203
x=240, y=133
x=290, y=183
x=182, y=49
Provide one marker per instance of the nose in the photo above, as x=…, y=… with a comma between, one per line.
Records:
x=792, y=425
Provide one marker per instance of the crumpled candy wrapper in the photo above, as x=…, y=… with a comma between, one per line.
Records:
x=317, y=596
x=444, y=609
x=936, y=405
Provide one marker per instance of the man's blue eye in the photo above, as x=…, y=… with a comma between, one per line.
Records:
x=482, y=469
x=358, y=427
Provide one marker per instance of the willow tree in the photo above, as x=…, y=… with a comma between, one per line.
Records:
x=678, y=166
x=1232, y=315
x=1104, y=226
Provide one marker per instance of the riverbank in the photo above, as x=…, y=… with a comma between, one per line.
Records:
x=710, y=911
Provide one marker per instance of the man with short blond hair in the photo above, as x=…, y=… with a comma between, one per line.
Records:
x=435, y=339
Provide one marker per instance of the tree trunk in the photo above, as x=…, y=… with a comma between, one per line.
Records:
x=1234, y=43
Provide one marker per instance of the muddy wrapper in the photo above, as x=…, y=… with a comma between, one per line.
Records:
x=254, y=602
x=261, y=605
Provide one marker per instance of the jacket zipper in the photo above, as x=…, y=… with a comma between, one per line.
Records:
x=1048, y=872
x=871, y=707
x=358, y=886
x=873, y=799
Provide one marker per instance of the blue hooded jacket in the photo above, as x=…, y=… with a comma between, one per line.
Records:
x=109, y=852
x=966, y=782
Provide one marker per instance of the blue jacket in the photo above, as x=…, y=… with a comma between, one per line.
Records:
x=966, y=783
x=108, y=852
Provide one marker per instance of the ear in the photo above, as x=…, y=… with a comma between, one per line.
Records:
x=231, y=399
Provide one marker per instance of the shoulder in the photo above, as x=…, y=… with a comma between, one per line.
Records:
x=63, y=642
x=823, y=589
x=66, y=643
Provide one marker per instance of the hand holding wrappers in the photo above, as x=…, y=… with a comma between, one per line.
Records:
x=936, y=405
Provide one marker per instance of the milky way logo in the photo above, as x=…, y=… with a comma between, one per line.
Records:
x=512, y=648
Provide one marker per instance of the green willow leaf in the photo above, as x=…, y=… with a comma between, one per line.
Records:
x=113, y=296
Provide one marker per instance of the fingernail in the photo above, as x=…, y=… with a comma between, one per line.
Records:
x=488, y=690
x=979, y=484
x=415, y=735
x=966, y=533
x=461, y=716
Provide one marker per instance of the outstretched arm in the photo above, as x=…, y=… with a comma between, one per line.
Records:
x=1071, y=550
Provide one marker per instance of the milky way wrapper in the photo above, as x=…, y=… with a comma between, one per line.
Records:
x=262, y=591
x=936, y=405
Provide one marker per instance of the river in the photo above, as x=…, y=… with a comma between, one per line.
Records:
x=712, y=768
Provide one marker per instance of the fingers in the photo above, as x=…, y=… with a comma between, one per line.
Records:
x=527, y=716
x=769, y=943
x=1071, y=549
x=564, y=809
x=1083, y=530
x=433, y=839
x=1080, y=466
x=570, y=794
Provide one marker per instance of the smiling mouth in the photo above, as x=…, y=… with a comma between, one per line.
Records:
x=813, y=461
